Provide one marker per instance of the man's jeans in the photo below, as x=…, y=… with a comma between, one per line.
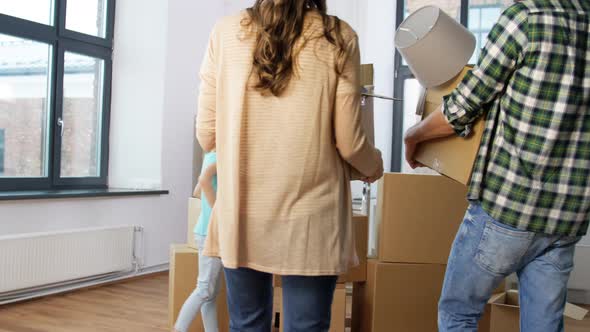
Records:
x=484, y=253
x=307, y=301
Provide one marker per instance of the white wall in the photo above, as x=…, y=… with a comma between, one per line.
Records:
x=374, y=21
x=158, y=49
x=139, y=67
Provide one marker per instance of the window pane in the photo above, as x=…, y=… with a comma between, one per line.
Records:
x=412, y=91
x=82, y=112
x=483, y=14
x=489, y=17
x=40, y=11
x=24, y=104
x=87, y=16
x=474, y=21
x=451, y=7
x=478, y=47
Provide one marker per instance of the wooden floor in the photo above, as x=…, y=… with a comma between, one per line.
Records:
x=139, y=305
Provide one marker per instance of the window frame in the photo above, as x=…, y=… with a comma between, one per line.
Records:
x=2, y=149
x=62, y=40
x=401, y=74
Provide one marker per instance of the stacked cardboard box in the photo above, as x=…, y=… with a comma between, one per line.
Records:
x=418, y=217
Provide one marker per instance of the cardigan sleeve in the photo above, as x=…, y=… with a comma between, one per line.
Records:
x=351, y=140
x=206, y=117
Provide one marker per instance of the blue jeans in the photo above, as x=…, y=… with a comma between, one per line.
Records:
x=484, y=253
x=307, y=301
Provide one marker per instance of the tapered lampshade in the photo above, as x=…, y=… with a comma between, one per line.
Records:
x=435, y=46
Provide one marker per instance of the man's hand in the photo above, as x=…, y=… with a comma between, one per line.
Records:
x=411, y=143
x=434, y=126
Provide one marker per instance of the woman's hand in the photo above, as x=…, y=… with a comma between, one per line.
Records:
x=378, y=173
x=206, y=181
x=197, y=190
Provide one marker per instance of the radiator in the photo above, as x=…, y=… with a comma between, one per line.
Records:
x=30, y=262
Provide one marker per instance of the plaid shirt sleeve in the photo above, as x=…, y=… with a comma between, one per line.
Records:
x=500, y=57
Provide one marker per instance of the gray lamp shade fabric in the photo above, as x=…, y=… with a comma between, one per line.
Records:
x=435, y=46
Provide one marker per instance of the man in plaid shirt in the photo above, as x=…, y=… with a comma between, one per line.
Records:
x=530, y=189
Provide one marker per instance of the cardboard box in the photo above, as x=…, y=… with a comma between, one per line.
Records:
x=367, y=74
x=368, y=113
x=418, y=217
x=194, y=211
x=575, y=325
x=505, y=314
x=486, y=319
x=452, y=156
x=367, y=104
x=398, y=297
x=184, y=262
x=360, y=301
x=362, y=298
x=338, y=319
x=276, y=307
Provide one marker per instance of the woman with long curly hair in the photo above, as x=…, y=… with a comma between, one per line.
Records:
x=280, y=104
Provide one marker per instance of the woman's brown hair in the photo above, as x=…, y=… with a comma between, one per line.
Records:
x=278, y=25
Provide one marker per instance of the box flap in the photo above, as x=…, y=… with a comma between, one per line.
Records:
x=182, y=249
x=498, y=298
x=575, y=312
x=506, y=299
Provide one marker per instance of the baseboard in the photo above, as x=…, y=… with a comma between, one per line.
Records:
x=89, y=283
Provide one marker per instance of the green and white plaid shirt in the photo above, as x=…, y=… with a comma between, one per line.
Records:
x=533, y=79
